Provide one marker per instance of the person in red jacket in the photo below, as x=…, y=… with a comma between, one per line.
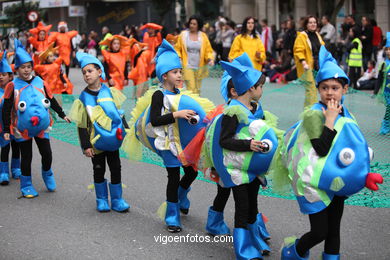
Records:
x=62, y=39
x=376, y=37
x=116, y=60
x=39, y=39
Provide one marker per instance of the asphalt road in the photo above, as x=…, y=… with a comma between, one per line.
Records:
x=65, y=224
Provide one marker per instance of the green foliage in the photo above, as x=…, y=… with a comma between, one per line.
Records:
x=17, y=14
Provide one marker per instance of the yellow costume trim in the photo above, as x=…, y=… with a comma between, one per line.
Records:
x=99, y=116
x=205, y=103
x=118, y=97
x=162, y=211
x=78, y=114
x=93, y=140
x=237, y=111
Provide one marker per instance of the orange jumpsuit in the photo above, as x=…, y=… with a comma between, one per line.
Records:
x=153, y=42
x=38, y=45
x=140, y=70
x=51, y=74
x=116, y=62
x=63, y=41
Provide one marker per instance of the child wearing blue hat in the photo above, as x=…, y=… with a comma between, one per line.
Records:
x=236, y=171
x=215, y=221
x=6, y=76
x=326, y=159
x=29, y=119
x=383, y=87
x=102, y=131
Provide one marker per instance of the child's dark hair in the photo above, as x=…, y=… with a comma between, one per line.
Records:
x=342, y=81
x=230, y=86
x=260, y=82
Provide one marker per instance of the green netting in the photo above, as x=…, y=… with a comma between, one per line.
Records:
x=286, y=101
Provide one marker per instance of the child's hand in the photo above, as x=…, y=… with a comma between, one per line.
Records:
x=256, y=146
x=331, y=113
x=258, y=54
x=111, y=82
x=186, y=114
x=89, y=152
x=125, y=82
x=7, y=136
x=67, y=119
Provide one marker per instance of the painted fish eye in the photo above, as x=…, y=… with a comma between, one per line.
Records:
x=371, y=152
x=46, y=103
x=346, y=156
x=22, y=106
x=268, y=145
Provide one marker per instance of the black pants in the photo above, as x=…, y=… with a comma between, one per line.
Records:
x=354, y=74
x=26, y=154
x=99, y=166
x=245, y=200
x=324, y=225
x=67, y=70
x=221, y=198
x=15, y=151
x=174, y=181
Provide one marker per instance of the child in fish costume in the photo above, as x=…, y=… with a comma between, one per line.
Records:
x=241, y=147
x=326, y=158
x=116, y=60
x=165, y=121
x=50, y=71
x=6, y=76
x=383, y=87
x=39, y=39
x=26, y=115
x=101, y=127
x=215, y=221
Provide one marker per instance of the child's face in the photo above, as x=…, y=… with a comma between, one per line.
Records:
x=331, y=89
x=387, y=51
x=25, y=70
x=115, y=45
x=90, y=74
x=41, y=35
x=257, y=92
x=50, y=58
x=173, y=77
x=370, y=65
x=4, y=79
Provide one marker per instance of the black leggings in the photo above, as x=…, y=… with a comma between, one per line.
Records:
x=26, y=154
x=245, y=200
x=174, y=181
x=5, y=151
x=324, y=225
x=67, y=70
x=354, y=75
x=221, y=198
x=99, y=166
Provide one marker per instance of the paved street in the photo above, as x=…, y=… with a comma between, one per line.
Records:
x=65, y=224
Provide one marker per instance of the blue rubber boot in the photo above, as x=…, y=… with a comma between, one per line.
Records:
x=117, y=203
x=15, y=168
x=4, y=173
x=48, y=179
x=330, y=257
x=290, y=253
x=262, y=229
x=258, y=242
x=243, y=245
x=385, y=128
x=26, y=187
x=215, y=223
x=184, y=202
x=172, y=217
x=102, y=197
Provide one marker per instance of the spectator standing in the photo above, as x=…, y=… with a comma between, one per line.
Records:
x=366, y=38
x=328, y=33
x=376, y=38
x=266, y=35
x=227, y=39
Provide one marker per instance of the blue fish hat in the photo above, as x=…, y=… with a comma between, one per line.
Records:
x=21, y=55
x=387, y=40
x=329, y=69
x=166, y=59
x=84, y=59
x=243, y=60
x=4, y=66
x=243, y=77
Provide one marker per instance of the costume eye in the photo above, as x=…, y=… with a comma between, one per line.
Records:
x=46, y=103
x=22, y=106
x=346, y=156
x=371, y=152
x=268, y=145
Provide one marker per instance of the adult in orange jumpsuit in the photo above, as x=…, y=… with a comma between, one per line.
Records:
x=116, y=60
x=62, y=39
x=153, y=38
x=50, y=71
x=39, y=39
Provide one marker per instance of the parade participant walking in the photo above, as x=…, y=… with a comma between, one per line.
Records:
x=101, y=128
x=26, y=115
x=39, y=39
